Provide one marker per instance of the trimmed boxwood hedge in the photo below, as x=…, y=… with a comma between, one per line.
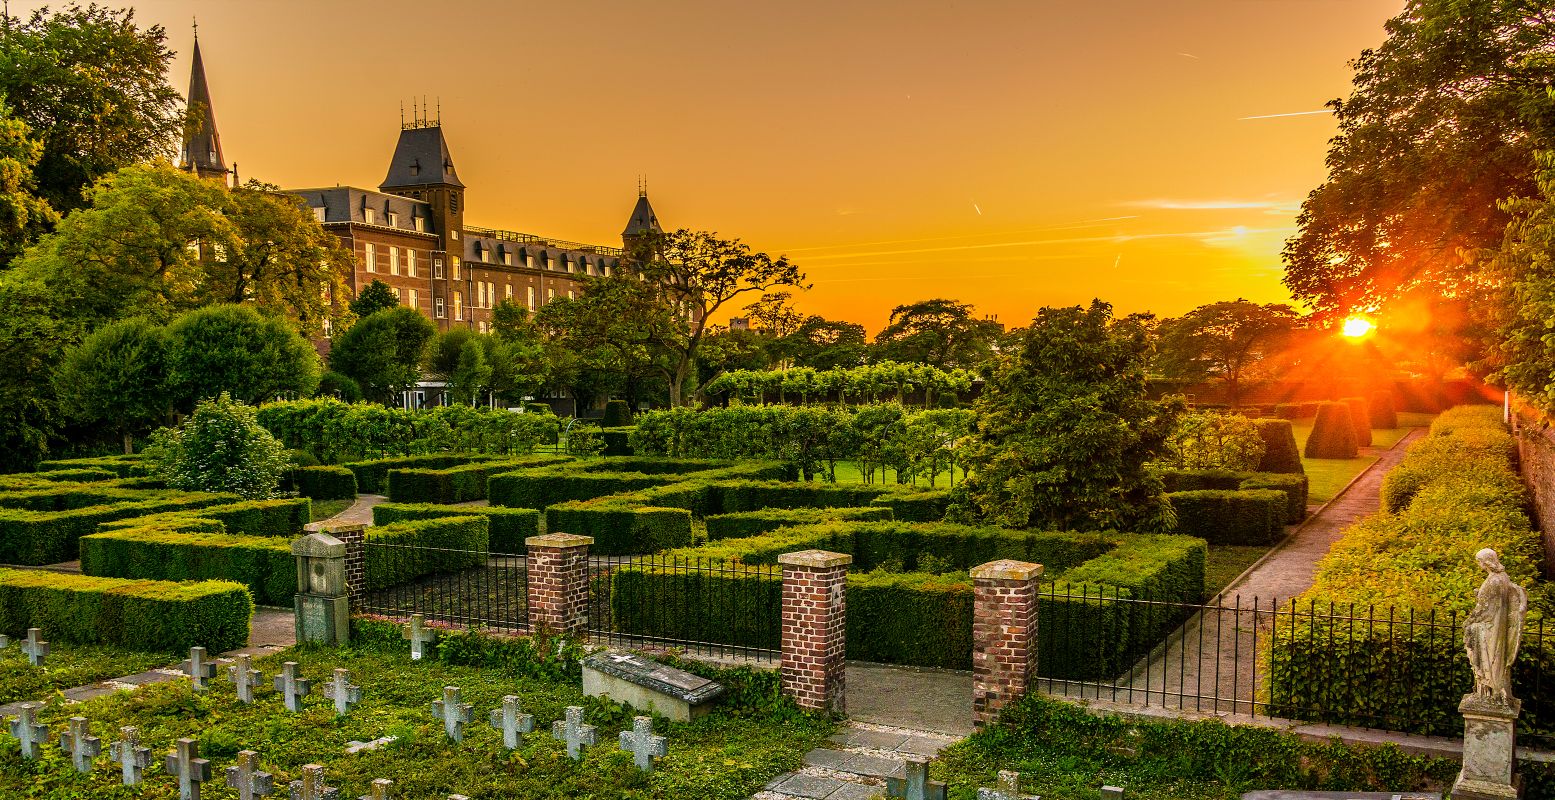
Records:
x=1360, y=417
x=618, y=440
x=154, y=616
x=324, y=483
x=745, y=524
x=1384, y=414
x=1231, y=517
x=416, y=548
x=1288, y=411
x=92, y=475
x=123, y=466
x=622, y=529
x=372, y=476
x=1280, y=453
x=1333, y=433
x=1295, y=487
x=280, y=517
x=507, y=527
x=48, y=537
x=457, y=484
x=195, y=549
x=913, y=506
x=546, y=487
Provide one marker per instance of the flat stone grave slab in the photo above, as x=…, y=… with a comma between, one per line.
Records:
x=646, y=684
x=1284, y=794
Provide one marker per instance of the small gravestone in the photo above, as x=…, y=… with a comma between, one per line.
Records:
x=1008, y=788
x=133, y=760
x=1112, y=793
x=185, y=764
x=245, y=678
x=511, y=720
x=453, y=714
x=248, y=779
x=1282, y=794
x=292, y=686
x=646, y=684
x=78, y=741
x=572, y=731
x=419, y=636
x=915, y=783
x=199, y=668
x=341, y=690
x=35, y=648
x=311, y=785
x=5, y=641
x=643, y=744
x=353, y=747
x=322, y=605
x=27, y=730
x=380, y=790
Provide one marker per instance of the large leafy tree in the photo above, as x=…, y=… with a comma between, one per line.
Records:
x=1526, y=261
x=24, y=216
x=824, y=344
x=1442, y=124
x=117, y=378
x=92, y=86
x=611, y=335
x=229, y=349
x=941, y=333
x=457, y=357
x=282, y=260
x=220, y=448
x=31, y=342
x=1234, y=342
x=376, y=296
x=383, y=352
x=1065, y=428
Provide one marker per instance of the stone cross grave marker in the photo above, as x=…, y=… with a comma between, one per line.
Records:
x=199, y=668
x=380, y=790
x=572, y=731
x=643, y=744
x=512, y=721
x=454, y=714
x=78, y=741
x=26, y=729
x=35, y=649
x=419, y=635
x=343, y=692
x=245, y=677
x=248, y=779
x=1008, y=789
x=130, y=756
x=185, y=764
x=915, y=784
x=292, y=686
x=311, y=785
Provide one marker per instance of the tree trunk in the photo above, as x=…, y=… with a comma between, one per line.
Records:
x=129, y=443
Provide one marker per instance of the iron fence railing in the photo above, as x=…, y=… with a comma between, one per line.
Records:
x=467, y=588
x=707, y=606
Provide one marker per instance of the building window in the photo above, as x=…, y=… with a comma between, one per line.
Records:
x=572, y=265
x=480, y=293
x=370, y=216
x=455, y=263
x=394, y=261
x=484, y=327
x=531, y=298
x=414, y=300
x=458, y=305
x=509, y=295
x=529, y=261
x=491, y=294
x=410, y=262
x=570, y=295
x=421, y=224
x=453, y=202
x=507, y=257
x=550, y=263
x=370, y=256
x=550, y=295
x=394, y=219
x=607, y=270
x=318, y=213
x=441, y=312
x=453, y=235
x=437, y=268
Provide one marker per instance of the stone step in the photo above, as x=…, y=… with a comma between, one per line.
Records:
x=816, y=783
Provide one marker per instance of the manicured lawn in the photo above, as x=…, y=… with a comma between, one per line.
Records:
x=1225, y=562
x=1327, y=476
x=67, y=667
x=724, y=755
x=324, y=509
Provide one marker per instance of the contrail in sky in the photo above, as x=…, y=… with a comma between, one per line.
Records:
x=1291, y=114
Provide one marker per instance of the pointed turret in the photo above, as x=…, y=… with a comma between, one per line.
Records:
x=421, y=159
x=642, y=222
x=202, y=145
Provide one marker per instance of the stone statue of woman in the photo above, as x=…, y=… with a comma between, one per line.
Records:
x=1494, y=629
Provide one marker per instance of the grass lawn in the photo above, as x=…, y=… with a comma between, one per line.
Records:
x=1327, y=476
x=724, y=755
x=68, y=666
x=1225, y=562
x=324, y=509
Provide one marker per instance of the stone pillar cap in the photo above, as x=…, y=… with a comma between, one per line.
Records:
x=319, y=545
x=559, y=540
x=1007, y=570
x=820, y=559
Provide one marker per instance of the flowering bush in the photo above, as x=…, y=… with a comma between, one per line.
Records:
x=1211, y=440
x=221, y=447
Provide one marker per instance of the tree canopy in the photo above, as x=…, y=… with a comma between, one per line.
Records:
x=382, y=352
x=117, y=377
x=230, y=349
x=376, y=296
x=1234, y=342
x=941, y=333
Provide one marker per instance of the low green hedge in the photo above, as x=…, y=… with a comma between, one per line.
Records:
x=191, y=552
x=91, y=475
x=745, y=524
x=929, y=506
x=1384, y=414
x=507, y=527
x=1231, y=517
x=1294, y=486
x=1280, y=453
x=1333, y=433
x=372, y=476
x=621, y=529
x=156, y=616
x=457, y=484
x=122, y=466
x=617, y=440
x=733, y=496
x=402, y=552
x=324, y=483
x=1288, y=411
x=540, y=488
x=280, y=517
x=43, y=537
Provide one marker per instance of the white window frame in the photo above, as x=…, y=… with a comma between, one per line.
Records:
x=370, y=256
x=440, y=308
x=414, y=301
x=531, y=292
x=394, y=260
x=370, y=215
x=410, y=261
x=437, y=268
x=458, y=306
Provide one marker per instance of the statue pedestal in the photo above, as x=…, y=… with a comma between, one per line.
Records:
x=1489, y=750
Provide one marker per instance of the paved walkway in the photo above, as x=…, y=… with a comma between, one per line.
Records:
x=855, y=763
x=360, y=512
x=934, y=700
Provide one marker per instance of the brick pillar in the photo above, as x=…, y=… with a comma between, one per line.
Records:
x=815, y=613
x=354, y=535
x=1004, y=635
x=558, y=579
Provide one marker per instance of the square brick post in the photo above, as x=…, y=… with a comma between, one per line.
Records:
x=815, y=612
x=558, y=583
x=354, y=535
x=1004, y=635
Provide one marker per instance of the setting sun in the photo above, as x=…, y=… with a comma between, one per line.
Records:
x=1356, y=327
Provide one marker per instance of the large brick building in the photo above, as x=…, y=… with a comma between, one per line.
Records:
x=410, y=232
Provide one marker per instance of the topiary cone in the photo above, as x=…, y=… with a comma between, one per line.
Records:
x=1360, y=417
x=1333, y=434
x=1279, y=447
x=1384, y=416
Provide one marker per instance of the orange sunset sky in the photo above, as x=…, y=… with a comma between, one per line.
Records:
x=1007, y=154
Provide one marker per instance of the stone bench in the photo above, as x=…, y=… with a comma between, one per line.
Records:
x=646, y=684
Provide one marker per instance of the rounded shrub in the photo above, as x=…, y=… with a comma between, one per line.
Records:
x=1280, y=453
x=617, y=414
x=344, y=387
x=1308, y=409
x=1384, y=415
x=221, y=447
x=1360, y=417
x=1333, y=434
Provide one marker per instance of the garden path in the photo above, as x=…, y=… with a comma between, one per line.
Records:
x=360, y=512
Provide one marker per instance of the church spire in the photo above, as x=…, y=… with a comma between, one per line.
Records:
x=642, y=221
x=202, y=145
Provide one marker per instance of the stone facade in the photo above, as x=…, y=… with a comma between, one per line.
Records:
x=558, y=578
x=1004, y=635
x=815, y=629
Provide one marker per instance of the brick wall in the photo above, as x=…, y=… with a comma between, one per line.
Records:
x=355, y=538
x=815, y=629
x=558, y=583
x=1004, y=635
x=1536, y=460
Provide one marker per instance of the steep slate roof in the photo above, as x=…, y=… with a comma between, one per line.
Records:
x=202, y=147
x=347, y=204
x=420, y=159
x=643, y=220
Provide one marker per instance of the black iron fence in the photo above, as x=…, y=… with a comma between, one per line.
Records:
x=458, y=587
x=709, y=606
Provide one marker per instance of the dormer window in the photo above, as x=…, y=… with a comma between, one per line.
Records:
x=370, y=216
x=421, y=224
x=415, y=168
x=318, y=213
x=394, y=219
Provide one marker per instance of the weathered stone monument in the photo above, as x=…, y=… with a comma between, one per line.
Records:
x=185, y=764
x=646, y=684
x=572, y=731
x=511, y=720
x=35, y=648
x=914, y=783
x=200, y=669
x=419, y=636
x=1491, y=636
x=644, y=746
x=311, y=785
x=380, y=790
x=453, y=714
x=79, y=743
x=133, y=760
x=1008, y=788
x=27, y=730
x=245, y=678
x=322, y=604
x=247, y=778
x=292, y=686
x=344, y=693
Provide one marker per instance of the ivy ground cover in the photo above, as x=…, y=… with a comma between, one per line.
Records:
x=68, y=666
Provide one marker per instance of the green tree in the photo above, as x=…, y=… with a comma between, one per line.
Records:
x=607, y=337
x=1234, y=342
x=1065, y=428
x=1442, y=124
x=382, y=352
x=940, y=333
x=24, y=216
x=117, y=378
x=1212, y=440
x=235, y=350
x=457, y=357
x=282, y=261
x=31, y=341
x=1525, y=355
x=92, y=86
x=376, y=296
x=821, y=343
x=220, y=448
